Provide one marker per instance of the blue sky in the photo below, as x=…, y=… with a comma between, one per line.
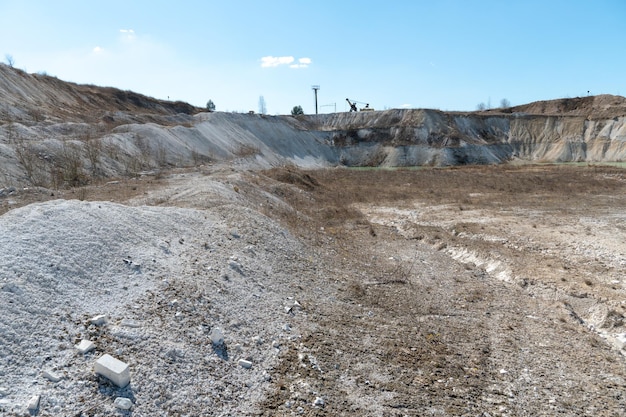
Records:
x=445, y=54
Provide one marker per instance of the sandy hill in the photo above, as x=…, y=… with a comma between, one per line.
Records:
x=33, y=97
x=593, y=107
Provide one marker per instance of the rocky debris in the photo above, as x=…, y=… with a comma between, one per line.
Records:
x=98, y=320
x=113, y=369
x=85, y=346
x=33, y=403
x=217, y=336
x=134, y=324
x=244, y=363
x=123, y=403
x=4, y=192
x=51, y=376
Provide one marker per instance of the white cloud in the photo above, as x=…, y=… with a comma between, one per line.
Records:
x=127, y=34
x=274, y=61
x=405, y=106
x=97, y=50
x=302, y=63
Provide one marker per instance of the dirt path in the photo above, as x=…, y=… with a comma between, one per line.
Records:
x=455, y=301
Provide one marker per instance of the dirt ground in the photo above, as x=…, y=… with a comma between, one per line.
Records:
x=468, y=291
x=471, y=291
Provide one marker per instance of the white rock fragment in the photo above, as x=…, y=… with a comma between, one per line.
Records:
x=123, y=403
x=134, y=324
x=99, y=320
x=319, y=402
x=217, y=337
x=33, y=403
x=51, y=376
x=85, y=346
x=113, y=369
x=245, y=363
x=4, y=391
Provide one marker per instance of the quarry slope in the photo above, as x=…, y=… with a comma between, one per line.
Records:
x=49, y=126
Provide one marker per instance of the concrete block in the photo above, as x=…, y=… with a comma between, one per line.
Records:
x=113, y=369
x=85, y=346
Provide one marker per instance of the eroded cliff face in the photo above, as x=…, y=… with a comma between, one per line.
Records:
x=430, y=137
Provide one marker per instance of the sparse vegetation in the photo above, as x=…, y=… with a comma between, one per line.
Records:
x=70, y=164
x=245, y=150
x=30, y=160
x=93, y=150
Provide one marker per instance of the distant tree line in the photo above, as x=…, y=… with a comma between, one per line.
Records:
x=504, y=104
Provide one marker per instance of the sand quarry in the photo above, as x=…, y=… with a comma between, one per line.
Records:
x=275, y=266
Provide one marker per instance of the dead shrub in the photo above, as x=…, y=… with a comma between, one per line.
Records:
x=70, y=162
x=245, y=150
x=33, y=163
x=93, y=150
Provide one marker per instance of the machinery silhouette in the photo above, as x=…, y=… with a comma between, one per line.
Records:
x=353, y=104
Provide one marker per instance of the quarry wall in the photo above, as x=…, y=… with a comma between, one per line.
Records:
x=49, y=126
x=430, y=137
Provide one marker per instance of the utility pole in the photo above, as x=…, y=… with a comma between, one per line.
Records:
x=315, y=88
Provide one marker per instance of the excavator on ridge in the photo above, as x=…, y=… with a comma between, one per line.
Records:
x=353, y=104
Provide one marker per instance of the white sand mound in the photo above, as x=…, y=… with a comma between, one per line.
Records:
x=165, y=278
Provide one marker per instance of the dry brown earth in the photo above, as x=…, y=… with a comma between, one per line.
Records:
x=473, y=291
x=467, y=291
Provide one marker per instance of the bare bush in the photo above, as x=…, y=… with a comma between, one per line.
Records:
x=145, y=153
x=93, y=150
x=31, y=161
x=70, y=162
x=199, y=158
x=160, y=155
x=245, y=150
